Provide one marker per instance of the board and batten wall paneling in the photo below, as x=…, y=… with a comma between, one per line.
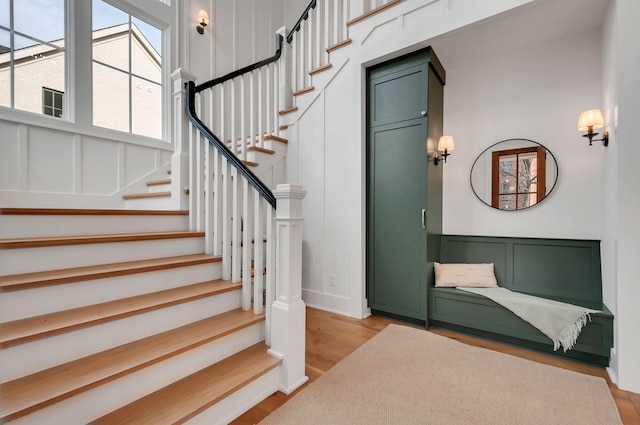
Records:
x=240, y=32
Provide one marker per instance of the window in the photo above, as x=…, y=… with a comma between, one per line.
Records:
x=518, y=178
x=127, y=72
x=52, y=101
x=32, y=55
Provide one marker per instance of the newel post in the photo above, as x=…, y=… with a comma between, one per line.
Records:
x=288, y=314
x=180, y=133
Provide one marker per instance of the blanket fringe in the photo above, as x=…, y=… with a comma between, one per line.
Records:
x=570, y=334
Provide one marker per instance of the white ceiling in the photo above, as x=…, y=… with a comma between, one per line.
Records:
x=537, y=22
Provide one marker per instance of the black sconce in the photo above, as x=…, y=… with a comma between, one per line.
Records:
x=592, y=120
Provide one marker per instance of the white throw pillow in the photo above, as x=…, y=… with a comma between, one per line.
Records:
x=467, y=275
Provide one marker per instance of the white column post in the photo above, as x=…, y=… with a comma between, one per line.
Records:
x=288, y=314
x=180, y=157
x=285, y=93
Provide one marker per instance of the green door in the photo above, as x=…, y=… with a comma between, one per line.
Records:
x=397, y=188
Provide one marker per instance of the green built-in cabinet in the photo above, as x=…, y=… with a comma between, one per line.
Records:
x=404, y=186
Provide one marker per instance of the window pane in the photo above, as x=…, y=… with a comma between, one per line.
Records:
x=110, y=98
x=146, y=45
x=46, y=69
x=5, y=71
x=526, y=200
x=507, y=202
x=4, y=14
x=40, y=19
x=57, y=100
x=507, y=180
x=106, y=16
x=528, y=172
x=146, y=101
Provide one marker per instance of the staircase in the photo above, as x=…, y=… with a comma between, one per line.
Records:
x=148, y=315
x=102, y=325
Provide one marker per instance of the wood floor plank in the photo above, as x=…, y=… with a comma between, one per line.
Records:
x=186, y=398
x=94, y=239
x=19, y=331
x=24, y=395
x=331, y=337
x=78, y=274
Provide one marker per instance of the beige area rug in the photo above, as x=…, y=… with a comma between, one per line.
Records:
x=409, y=376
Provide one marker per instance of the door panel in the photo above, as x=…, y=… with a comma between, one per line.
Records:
x=396, y=181
x=397, y=239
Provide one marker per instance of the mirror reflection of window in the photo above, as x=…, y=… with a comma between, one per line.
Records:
x=518, y=178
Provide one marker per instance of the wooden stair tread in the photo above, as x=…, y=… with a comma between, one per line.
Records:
x=93, y=239
x=373, y=12
x=147, y=195
x=24, y=395
x=303, y=91
x=288, y=111
x=339, y=45
x=259, y=149
x=250, y=163
x=320, y=69
x=18, y=331
x=187, y=397
x=276, y=138
x=71, y=211
x=159, y=182
x=77, y=274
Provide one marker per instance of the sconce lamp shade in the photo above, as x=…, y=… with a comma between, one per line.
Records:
x=446, y=143
x=203, y=18
x=592, y=118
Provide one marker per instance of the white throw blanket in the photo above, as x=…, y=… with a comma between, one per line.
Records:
x=559, y=321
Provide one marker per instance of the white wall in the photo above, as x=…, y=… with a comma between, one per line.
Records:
x=240, y=33
x=535, y=94
x=621, y=89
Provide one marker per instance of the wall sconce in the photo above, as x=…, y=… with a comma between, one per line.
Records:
x=592, y=120
x=445, y=144
x=203, y=21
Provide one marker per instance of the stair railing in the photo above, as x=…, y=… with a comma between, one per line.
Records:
x=321, y=26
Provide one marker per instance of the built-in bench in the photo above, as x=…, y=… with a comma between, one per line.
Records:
x=560, y=269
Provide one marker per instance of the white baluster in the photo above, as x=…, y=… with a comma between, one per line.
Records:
x=317, y=49
x=258, y=253
x=247, y=234
x=236, y=260
x=208, y=196
x=233, y=119
x=218, y=203
x=193, y=166
x=243, y=124
x=260, y=139
x=271, y=270
x=227, y=214
x=252, y=109
x=268, y=102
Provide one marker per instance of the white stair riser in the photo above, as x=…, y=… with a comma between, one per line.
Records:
x=27, y=260
x=15, y=305
x=159, y=188
x=103, y=399
x=31, y=226
x=57, y=349
x=162, y=203
x=239, y=401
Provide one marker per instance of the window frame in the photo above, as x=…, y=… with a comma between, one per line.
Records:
x=540, y=178
x=53, y=107
x=78, y=105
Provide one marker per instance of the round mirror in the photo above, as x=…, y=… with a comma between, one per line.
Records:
x=514, y=174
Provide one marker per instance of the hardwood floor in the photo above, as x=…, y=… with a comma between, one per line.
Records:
x=331, y=337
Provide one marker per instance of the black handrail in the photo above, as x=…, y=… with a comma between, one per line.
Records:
x=303, y=17
x=248, y=68
x=215, y=141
